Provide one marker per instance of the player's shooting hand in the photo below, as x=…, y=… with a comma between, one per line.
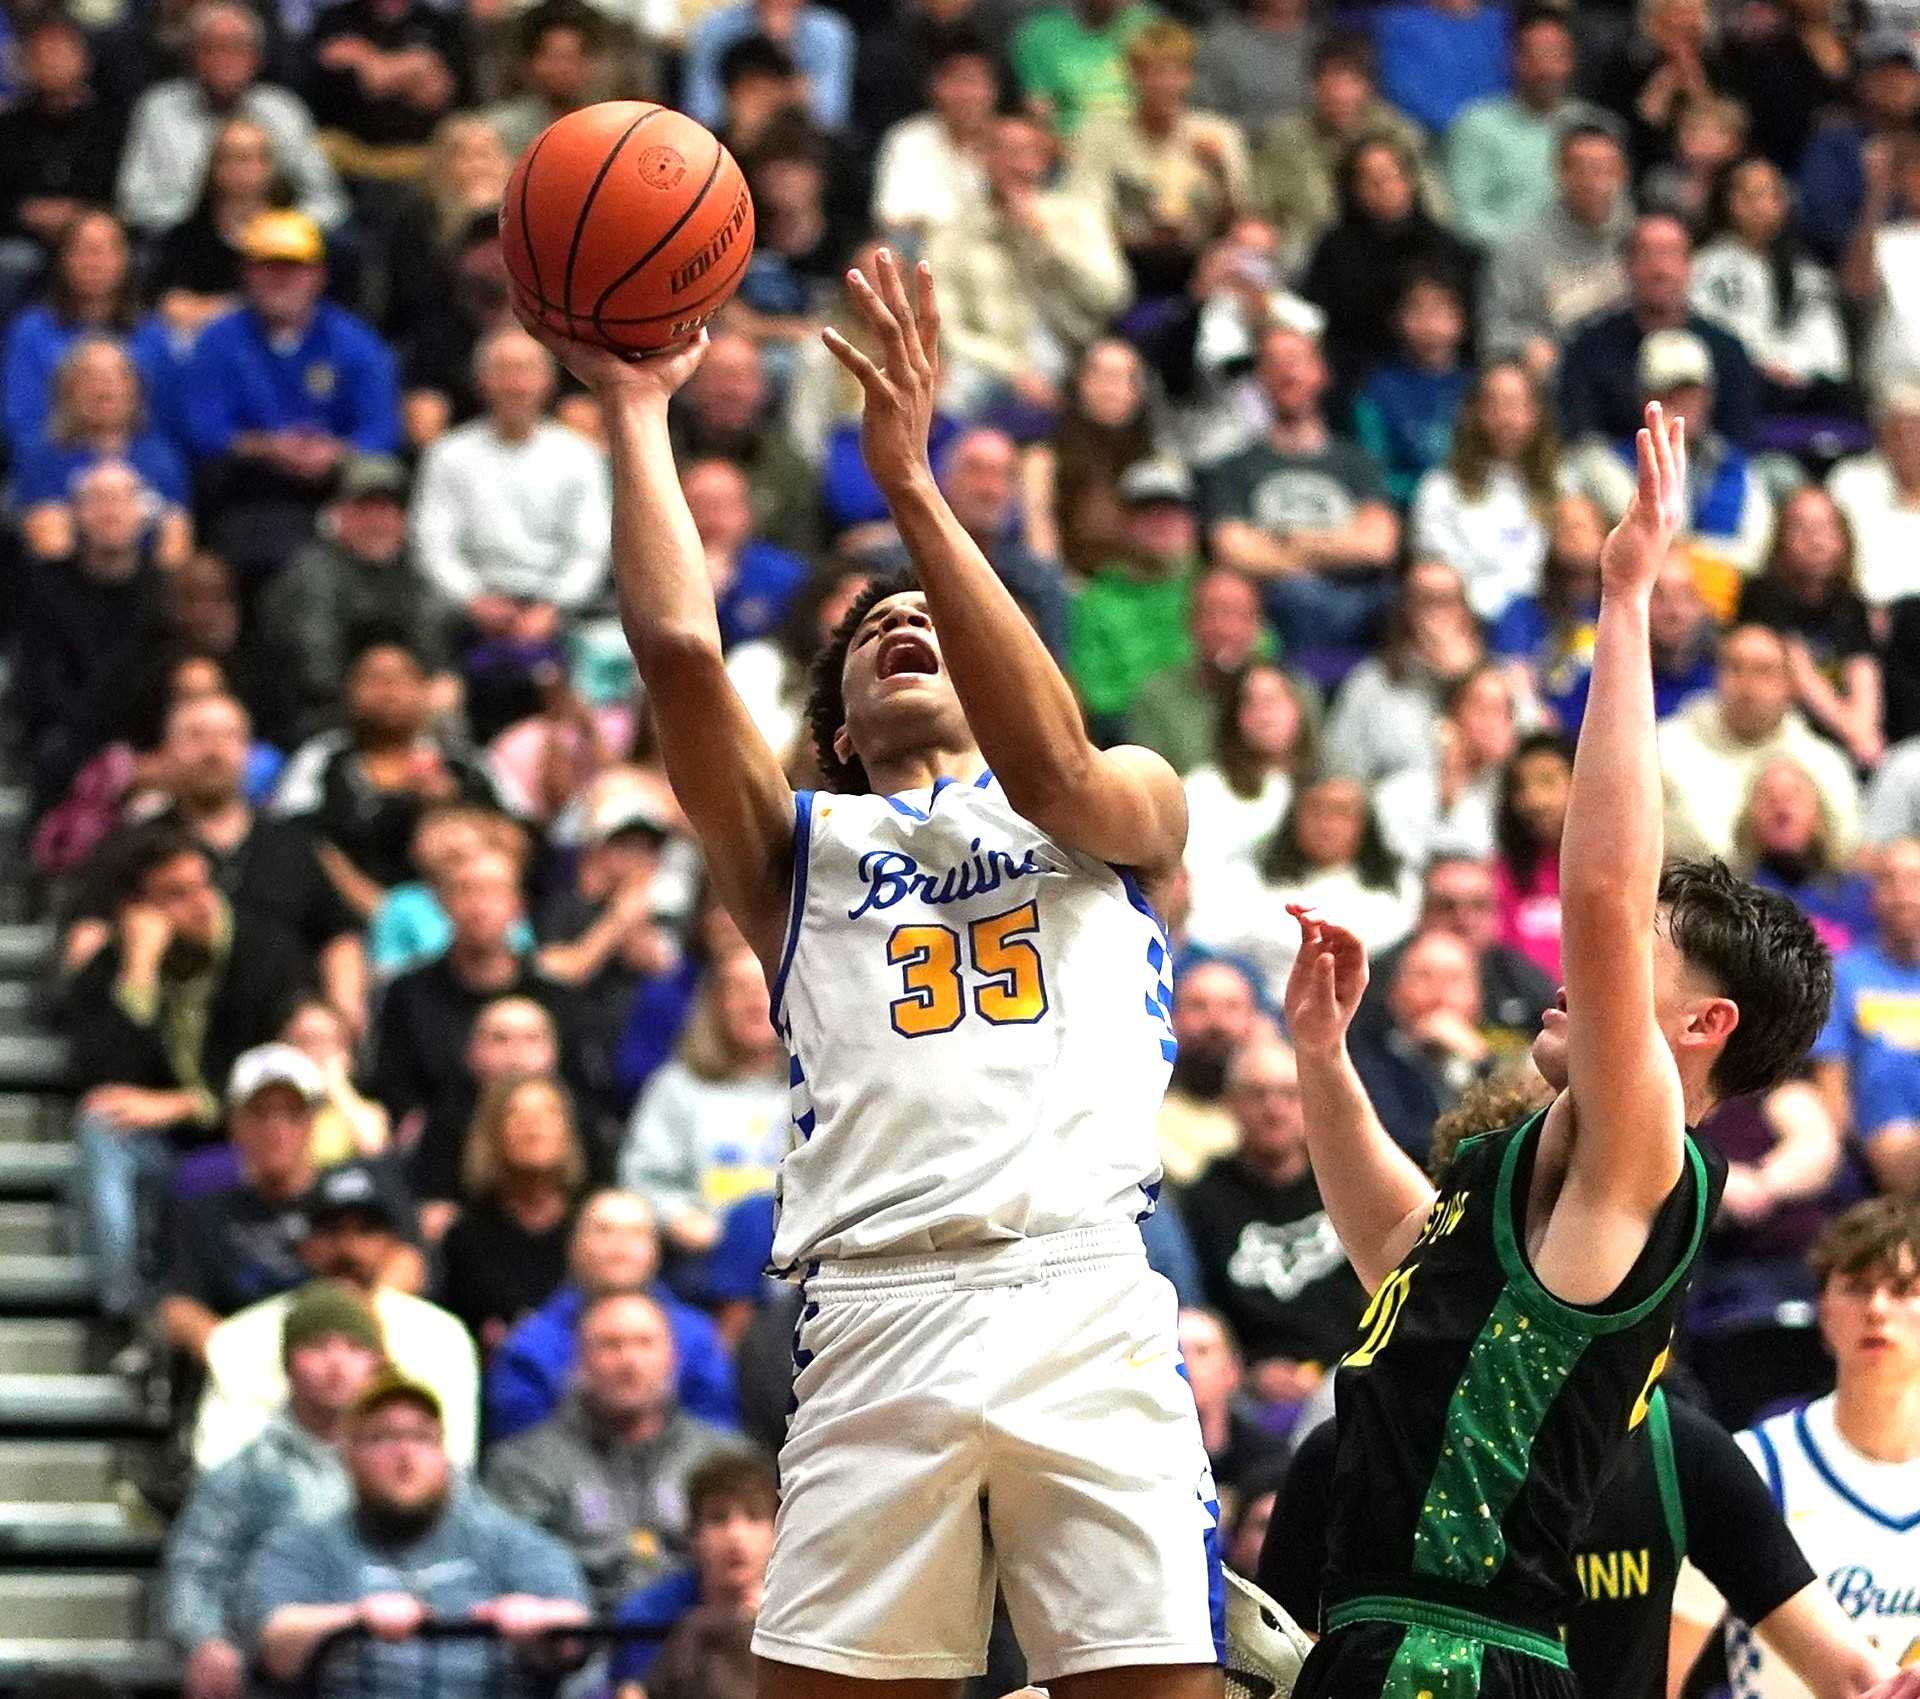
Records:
x=1636, y=548
x=1324, y=990
x=900, y=388
x=648, y=378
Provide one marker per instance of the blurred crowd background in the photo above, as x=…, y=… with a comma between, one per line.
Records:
x=1292, y=360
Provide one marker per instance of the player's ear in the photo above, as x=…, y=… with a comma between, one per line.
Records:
x=1711, y=1020
x=843, y=747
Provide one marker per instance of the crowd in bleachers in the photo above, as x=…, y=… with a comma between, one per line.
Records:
x=429, y=1106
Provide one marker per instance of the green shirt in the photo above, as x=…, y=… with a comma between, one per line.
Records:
x=1077, y=70
x=1122, y=631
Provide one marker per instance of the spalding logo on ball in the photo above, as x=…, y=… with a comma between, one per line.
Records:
x=626, y=224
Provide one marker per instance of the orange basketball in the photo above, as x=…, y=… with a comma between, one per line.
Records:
x=626, y=224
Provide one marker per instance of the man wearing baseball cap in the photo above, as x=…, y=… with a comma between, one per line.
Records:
x=331, y=1348
x=357, y=1221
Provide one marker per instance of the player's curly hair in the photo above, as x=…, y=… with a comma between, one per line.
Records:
x=1764, y=954
x=826, y=703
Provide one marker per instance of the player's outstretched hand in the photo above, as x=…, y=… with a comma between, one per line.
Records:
x=901, y=387
x=1636, y=548
x=1329, y=977
x=611, y=376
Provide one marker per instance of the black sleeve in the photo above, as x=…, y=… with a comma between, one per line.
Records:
x=1735, y=1535
x=191, y=1254
x=1293, y=1557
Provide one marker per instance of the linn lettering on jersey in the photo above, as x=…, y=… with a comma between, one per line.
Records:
x=1860, y=1594
x=892, y=877
x=1615, y=1575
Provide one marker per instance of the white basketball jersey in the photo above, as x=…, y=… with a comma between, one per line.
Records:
x=978, y=1025
x=1858, y=1521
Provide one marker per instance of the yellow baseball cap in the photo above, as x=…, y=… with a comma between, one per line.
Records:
x=289, y=236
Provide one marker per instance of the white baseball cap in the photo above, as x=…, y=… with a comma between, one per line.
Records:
x=274, y=1064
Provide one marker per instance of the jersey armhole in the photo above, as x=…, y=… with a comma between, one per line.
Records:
x=1770, y=1467
x=797, y=905
x=1666, y=1471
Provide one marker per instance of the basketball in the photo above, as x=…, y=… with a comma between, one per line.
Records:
x=627, y=225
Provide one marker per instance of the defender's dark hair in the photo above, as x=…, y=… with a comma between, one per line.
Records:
x=1764, y=954
x=826, y=704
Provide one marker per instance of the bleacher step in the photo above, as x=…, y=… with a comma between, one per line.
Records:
x=32, y=1229
x=27, y=949
x=45, y=1345
x=65, y=1405
x=59, y=1471
x=95, y=1533
x=35, y=1060
x=130, y=1666
x=46, y=1285
x=60, y=1606
x=34, y=1168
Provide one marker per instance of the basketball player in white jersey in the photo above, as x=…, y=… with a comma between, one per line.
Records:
x=974, y=990
x=1845, y=1469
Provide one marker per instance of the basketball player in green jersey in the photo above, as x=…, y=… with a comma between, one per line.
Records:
x=1523, y=1305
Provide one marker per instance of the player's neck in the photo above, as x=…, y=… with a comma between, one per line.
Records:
x=921, y=769
x=1878, y=1414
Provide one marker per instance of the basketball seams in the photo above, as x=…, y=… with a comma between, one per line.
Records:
x=526, y=224
x=672, y=230
x=720, y=288
x=586, y=210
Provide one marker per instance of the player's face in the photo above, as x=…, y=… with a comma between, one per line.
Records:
x=1871, y=1320
x=895, y=685
x=1680, y=1009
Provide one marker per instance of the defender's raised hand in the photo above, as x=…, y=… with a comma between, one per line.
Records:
x=901, y=388
x=1636, y=548
x=1329, y=977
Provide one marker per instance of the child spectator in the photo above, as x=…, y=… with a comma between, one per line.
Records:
x=1405, y=411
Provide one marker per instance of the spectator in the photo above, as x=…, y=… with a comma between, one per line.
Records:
x=1570, y=268
x=1730, y=512
x=1501, y=149
x=1297, y=161
x=563, y=58
x=1214, y=1014
x=1253, y=62
x=359, y=578
x=1879, y=492
x=446, y=300
x=1173, y=177
x=382, y=74
x=170, y=135
x=457, y=1555
x=84, y=623
x=1383, y=238
x=1892, y=807
x=772, y=673
x=1551, y=633
x=203, y=618
x=1527, y=828
x=1832, y=173
x=411, y=927
x=1404, y=413
x=1384, y=716
x=1176, y=711
x=1458, y=896
x=1787, y=67
x=524, y=1173
x=713, y=1123
x=1685, y=638
x=1269, y=1260
x=99, y=415
x=361, y=790
x=731, y=1502
x=1440, y=56
x=1327, y=853
x=1264, y=745
x=1420, y=1061
x=1867, y=1061
x=1447, y=805
x=1244, y=1448
x=1028, y=275
x=1671, y=60
x=932, y=163
x=726, y=412
x=1304, y=511
x=1131, y=621
x=1807, y=594
x=1755, y=277
x=345, y=1124
x=605, y=1474
x=198, y=264
x=1106, y=424
x=89, y=293
x=513, y=1037
x=1486, y=512
x=1786, y=841
x=820, y=41
x=1711, y=749
x=755, y=581
x=356, y=1225
x=1710, y=135
x=291, y=1473
x=59, y=149
x=1602, y=381
x=158, y=1017
x=280, y=392
x=511, y=519
x=1071, y=59
x=615, y=1248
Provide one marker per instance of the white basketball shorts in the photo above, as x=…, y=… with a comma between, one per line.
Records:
x=1014, y=1414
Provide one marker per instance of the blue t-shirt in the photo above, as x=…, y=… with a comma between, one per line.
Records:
x=1432, y=63
x=1404, y=418
x=338, y=377
x=765, y=581
x=1875, y=1030
x=37, y=341
x=657, y=1608
x=47, y=471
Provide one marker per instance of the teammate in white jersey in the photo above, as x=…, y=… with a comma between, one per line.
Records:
x=1845, y=1469
x=974, y=991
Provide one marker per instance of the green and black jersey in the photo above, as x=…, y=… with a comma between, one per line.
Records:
x=1480, y=1416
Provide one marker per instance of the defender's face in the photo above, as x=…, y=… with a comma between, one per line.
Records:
x=1676, y=997
x=895, y=683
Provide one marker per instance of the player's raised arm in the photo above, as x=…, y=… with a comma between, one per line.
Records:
x=726, y=776
x=1626, y=1098
x=1122, y=805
